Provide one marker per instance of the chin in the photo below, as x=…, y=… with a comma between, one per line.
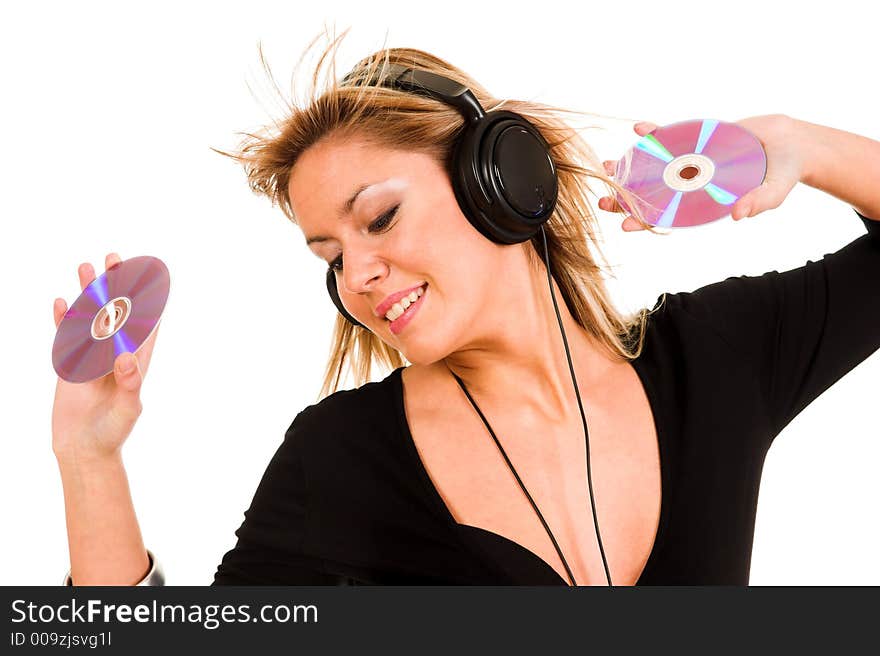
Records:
x=424, y=355
x=416, y=358
x=426, y=342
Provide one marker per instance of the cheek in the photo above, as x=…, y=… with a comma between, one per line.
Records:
x=462, y=268
x=360, y=307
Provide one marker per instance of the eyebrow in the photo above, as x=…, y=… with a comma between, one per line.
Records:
x=345, y=209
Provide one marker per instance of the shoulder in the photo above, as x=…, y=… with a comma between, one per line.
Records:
x=740, y=309
x=347, y=418
x=351, y=450
x=726, y=310
x=352, y=405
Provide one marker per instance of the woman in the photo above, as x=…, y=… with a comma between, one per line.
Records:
x=467, y=466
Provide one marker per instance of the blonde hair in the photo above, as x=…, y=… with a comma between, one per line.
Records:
x=408, y=121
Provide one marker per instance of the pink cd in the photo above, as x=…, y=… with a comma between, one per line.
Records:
x=114, y=314
x=690, y=173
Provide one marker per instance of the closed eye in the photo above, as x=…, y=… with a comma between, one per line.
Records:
x=378, y=225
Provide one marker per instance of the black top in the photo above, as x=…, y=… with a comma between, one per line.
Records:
x=346, y=498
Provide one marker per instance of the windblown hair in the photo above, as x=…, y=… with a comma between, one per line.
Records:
x=408, y=121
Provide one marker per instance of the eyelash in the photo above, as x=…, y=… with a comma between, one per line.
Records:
x=379, y=224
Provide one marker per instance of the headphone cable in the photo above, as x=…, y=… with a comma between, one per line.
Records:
x=580, y=405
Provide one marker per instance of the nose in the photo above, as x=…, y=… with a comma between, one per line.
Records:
x=361, y=272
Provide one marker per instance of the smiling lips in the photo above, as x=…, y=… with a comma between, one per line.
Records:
x=402, y=312
x=400, y=307
x=396, y=298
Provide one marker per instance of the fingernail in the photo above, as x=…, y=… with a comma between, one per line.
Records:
x=127, y=366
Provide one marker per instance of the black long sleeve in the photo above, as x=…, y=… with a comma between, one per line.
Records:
x=269, y=547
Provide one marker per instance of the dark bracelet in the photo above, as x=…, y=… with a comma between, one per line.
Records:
x=154, y=577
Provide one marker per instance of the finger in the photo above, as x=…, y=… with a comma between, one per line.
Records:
x=126, y=405
x=610, y=166
x=608, y=204
x=111, y=260
x=86, y=274
x=747, y=204
x=767, y=196
x=741, y=209
x=644, y=127
x=126, y=371
x=59, y=308
x=631, y=225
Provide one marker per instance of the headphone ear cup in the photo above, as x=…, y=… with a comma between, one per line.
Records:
x=504, y=178
x=334, y=296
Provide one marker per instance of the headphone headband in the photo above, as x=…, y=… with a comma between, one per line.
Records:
x=428, y=84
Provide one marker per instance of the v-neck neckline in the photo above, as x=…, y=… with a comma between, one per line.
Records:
x=440, y=504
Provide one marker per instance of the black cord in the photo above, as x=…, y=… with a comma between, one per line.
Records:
x=580, y=405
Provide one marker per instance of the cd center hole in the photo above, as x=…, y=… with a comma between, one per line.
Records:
x=689, y=172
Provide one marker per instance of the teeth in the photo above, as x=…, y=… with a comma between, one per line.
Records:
x=400, y=307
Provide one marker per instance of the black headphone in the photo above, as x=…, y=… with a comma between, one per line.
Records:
x=502, y=174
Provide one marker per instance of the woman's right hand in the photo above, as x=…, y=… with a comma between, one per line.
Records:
x=91, y=421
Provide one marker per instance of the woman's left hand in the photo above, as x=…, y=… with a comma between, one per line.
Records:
x=785, y=167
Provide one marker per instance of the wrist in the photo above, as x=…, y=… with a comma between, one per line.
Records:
x=72, y=458
x=815, y=148
x=842, y=164
x=155, y=574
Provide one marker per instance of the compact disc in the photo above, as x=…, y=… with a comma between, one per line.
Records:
x=690, y=173
x=114, y=314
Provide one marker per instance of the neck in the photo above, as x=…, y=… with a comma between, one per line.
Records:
x=518, y=358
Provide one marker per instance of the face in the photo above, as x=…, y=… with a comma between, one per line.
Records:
x=404, y=231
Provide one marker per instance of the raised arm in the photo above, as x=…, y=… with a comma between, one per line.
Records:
x=90, y=423
x=843, y=164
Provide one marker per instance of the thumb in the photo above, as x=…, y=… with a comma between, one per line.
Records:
x=743, y=207
x=765, y=196
x=750, y=204
x=127, y=373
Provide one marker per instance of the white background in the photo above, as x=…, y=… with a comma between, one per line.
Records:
x=108, y=113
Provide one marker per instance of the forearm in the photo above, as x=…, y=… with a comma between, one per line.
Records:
x=843, y=164
x=104, y=538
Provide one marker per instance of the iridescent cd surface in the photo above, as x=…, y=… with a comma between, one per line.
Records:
x=115, y=314
x=692, y=172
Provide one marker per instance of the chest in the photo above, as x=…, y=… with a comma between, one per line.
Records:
x=479, y=489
